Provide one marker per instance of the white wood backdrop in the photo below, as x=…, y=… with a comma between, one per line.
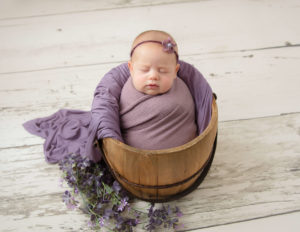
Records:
x=53, y=54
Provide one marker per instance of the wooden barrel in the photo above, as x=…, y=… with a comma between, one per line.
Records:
x=159, y=175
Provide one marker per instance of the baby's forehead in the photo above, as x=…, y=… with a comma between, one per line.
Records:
x=150, y=36
x=149, y=47
x=153, y=35
x=152, y=51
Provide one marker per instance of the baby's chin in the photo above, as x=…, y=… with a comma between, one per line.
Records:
x=150, y=92
x=154, y=92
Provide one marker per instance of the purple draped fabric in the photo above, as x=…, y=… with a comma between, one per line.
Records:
x=65, y=132
x=74, y=131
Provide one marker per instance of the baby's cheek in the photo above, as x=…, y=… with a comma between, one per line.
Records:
x=138, y=84
x=167, y=84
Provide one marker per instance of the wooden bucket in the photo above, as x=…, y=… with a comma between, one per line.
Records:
x=161, y=175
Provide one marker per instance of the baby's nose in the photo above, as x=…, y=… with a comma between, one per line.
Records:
x=154, y=75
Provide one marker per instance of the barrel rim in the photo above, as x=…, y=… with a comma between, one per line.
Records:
x=180, y=148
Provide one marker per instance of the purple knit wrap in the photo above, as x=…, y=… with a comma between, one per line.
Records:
x=156, y=122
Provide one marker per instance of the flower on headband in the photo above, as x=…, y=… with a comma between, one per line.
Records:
x=168, y=45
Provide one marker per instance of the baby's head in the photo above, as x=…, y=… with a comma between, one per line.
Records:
x=154, y=62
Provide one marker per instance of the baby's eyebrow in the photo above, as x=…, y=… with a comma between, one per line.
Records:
x=144, y=66
x=162, y=67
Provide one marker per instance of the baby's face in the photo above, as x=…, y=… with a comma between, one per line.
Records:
x=153, y=71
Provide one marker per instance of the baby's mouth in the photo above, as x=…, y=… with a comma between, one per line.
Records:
x=152, y=86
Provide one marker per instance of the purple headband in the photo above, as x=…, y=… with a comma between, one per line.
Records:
x=168, y=46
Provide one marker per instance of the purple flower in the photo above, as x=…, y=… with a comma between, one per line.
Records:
x=71, y=206
x=179, y=227
x=116, y=187
x=76, y=191
x=168, y=210
x=84, y=163
x=120, y=221
x=66, y=196
x=101, y=221
x=69, y=200
x=61, y=182
x=123, y=204
x=178, y=212
x=107, y=213
x=168, y=45
x=106, y=200
x=150, y=210
x=91, y=224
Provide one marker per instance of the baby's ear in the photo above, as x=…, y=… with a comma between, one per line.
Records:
x=130, y=65
x=177, y=67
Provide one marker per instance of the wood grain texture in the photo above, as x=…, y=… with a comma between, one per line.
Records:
x=34, y=8
x=255, y=173
x=284, y=222
x=69, y=40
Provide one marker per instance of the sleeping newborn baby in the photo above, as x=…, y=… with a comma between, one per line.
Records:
x=157, y=110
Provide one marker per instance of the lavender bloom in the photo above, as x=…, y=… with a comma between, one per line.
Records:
x=61, y=181
x=71, y=206
x=107, y=213
x=69, y=200
x=91, y=224
x=120, y=221
x=150, y=211
x=123, y=204
x=169, y=211
x=178, y=212
x=86, y=163
x=163, y=216
x=116, y=186
x=105, y=198
x=66, y=196
x=179, y=227
x=76, y=191
x=101, y=221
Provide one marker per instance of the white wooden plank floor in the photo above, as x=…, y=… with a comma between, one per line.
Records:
x=53, y=54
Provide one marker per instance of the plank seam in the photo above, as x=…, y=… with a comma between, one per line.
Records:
x=95, y=10
x=245, y=220
x=122, y=61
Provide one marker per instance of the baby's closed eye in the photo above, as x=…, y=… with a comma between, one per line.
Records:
x=144, y=69
x=163, y=70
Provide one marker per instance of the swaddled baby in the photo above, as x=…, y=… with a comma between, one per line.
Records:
x=156, y=107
